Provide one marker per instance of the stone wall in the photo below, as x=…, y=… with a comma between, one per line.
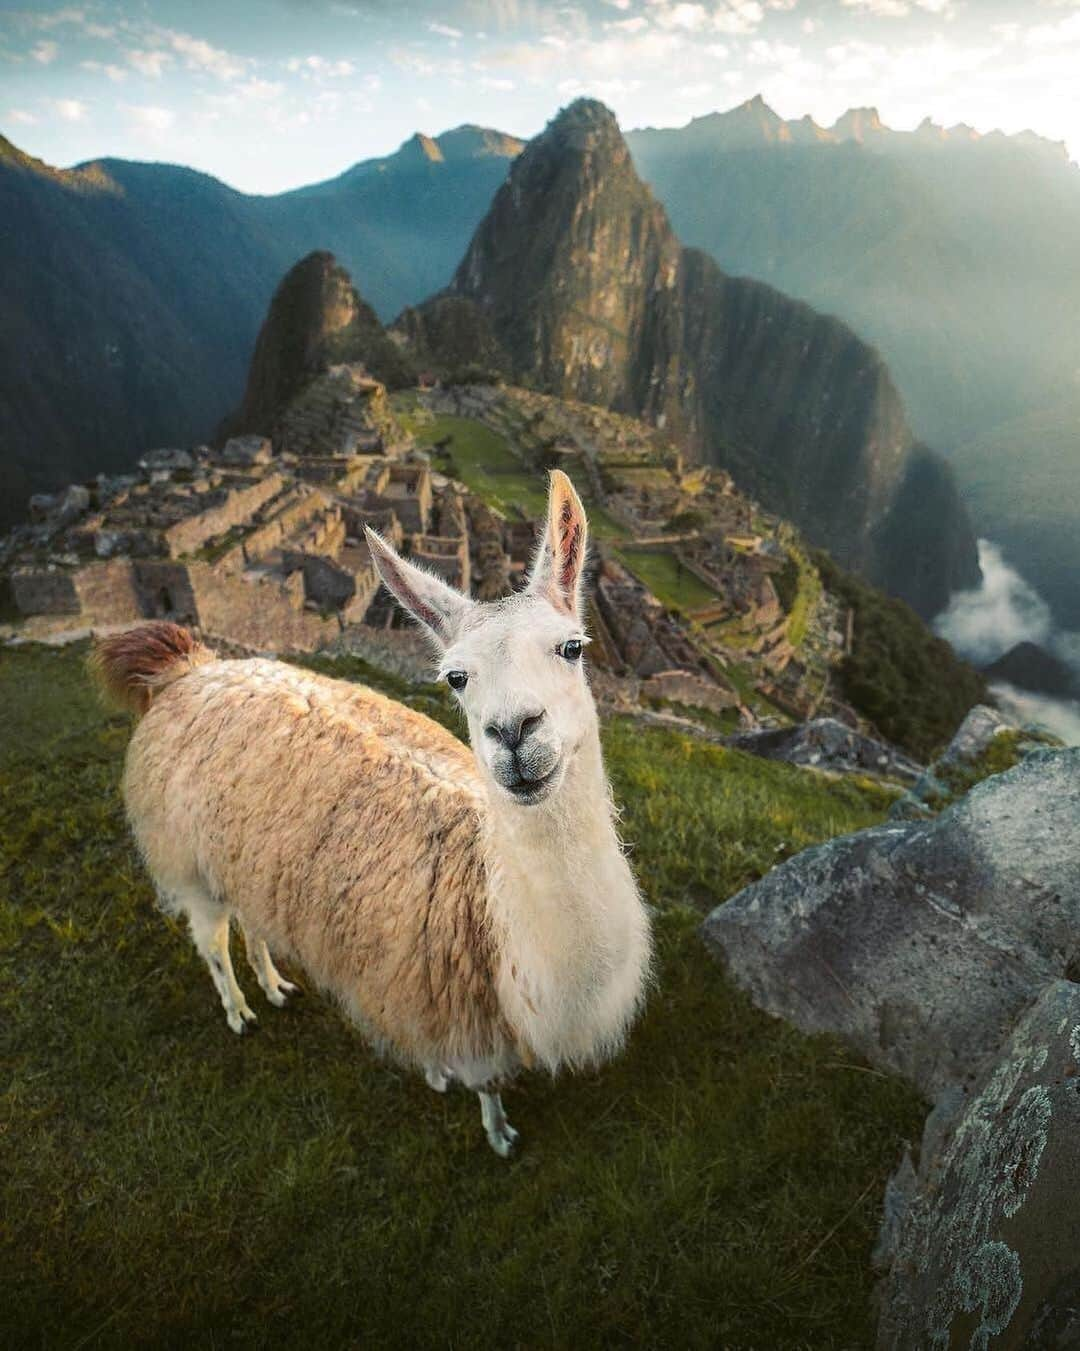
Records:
x=299, y=508
x=107, y=592
x=263, y=615
x=238, y=507
x=45, y=591
x=164, y=590
x=680, y=687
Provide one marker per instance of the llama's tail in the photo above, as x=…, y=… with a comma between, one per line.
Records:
x=130, y=667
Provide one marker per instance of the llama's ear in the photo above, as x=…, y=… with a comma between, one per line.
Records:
x=440, y=608
x=560, y=562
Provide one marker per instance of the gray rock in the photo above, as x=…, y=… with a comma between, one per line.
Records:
x=166, y=459
x=826, y=743
x=60, y=509
x=974, y=735
x=921, y=943
x=245, y=451
x=987, y=1249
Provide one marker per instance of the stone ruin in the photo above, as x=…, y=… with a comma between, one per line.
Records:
x=262, y=543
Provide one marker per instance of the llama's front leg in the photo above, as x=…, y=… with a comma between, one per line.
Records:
x=438, y=1078
x=274, y=985
x=210, y=931
x=501, y=1135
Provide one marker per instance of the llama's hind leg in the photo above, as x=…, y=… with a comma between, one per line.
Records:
x=501, y=1135
x=209, y=922
x=274, y=985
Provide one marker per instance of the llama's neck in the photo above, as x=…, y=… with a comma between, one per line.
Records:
x=573, y=931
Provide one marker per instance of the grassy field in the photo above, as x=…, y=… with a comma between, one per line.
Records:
x=674, y=585
x=165, y=1183
x=481, y=459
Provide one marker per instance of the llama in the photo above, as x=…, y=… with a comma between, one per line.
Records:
x=471, y=911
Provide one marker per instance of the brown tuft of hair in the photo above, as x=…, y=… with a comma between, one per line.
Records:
x=129, y=667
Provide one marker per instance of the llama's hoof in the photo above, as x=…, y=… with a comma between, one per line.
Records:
x=439, y=1080
x=280, y=994
x=504, y=1140
x=243, y=1021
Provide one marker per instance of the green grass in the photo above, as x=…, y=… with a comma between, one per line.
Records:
x=485, y=463
x=481, y=459
x=673, y=585
x=164, y=1183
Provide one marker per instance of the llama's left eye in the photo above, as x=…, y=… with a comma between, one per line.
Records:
x=571, y=649
x=457, y=680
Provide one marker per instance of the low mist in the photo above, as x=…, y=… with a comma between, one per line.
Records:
x=984, y=623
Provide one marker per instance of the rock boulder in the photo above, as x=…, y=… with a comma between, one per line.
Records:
x=987, y=1250
x=921, y=943
x=826, y=743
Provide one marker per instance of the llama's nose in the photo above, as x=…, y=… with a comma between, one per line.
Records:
x=513, y=731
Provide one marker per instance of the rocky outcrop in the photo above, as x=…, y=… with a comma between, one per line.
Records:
x=984, y=743
x=921, y=943
x=586, y=290
x=316, y=320
x=984, y=1249
x=826, y=743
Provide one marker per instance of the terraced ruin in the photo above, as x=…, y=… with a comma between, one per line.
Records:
x=700, y=600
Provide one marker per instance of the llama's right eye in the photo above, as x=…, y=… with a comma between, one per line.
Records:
x=457, y=680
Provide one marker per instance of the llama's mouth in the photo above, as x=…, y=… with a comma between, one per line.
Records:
x=528, y=792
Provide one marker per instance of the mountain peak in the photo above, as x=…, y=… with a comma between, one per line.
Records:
x=316, y=319
x=857, y=124
x=420, y=149
x=470, y=141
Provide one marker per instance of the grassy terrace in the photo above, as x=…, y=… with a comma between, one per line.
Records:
x=163, y=1182
x=484, y=462
x=667, y=579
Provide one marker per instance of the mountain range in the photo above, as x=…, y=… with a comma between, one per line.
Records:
x=131, y=294
x=578, y=279
x=953, y=253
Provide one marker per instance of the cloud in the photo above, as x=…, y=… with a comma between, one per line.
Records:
x=900, y=9
x=496, y=83
x=44, y=53
x=114, y=73
x=21, y=117
x=763, y=53
x=445, y=31
x=635, y=25
x=58, y=17
x=880, y=9
x=1060, y=716
x=1004, y=610
x=320, y=68
x=150, y=118
x=737, y=17
x=200, y=55
x=691, y=18
x=71, y=110
x=148, y=63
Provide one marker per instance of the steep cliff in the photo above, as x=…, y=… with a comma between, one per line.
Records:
x=316, y=319
x=590, y=295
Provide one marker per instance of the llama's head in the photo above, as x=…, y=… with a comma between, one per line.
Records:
x=514, y=664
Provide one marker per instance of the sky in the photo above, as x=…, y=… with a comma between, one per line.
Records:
x=272, y=94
